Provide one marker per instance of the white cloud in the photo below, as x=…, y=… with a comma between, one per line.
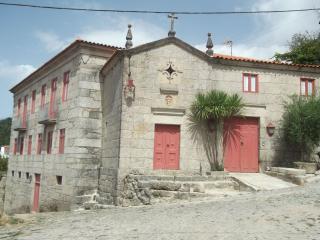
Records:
x=273, y=31
x=51, y=41
x=11, y=74
x=115, y=33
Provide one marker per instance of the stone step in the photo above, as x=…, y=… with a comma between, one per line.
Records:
x=183, y=178
x=189, y=186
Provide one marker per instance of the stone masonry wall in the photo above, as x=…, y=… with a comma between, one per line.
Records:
x=112, y=92
x=159, y=100
x=80, y=116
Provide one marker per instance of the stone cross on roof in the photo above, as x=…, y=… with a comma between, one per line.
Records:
x=172, y=17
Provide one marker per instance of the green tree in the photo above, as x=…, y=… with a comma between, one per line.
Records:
x=301, y=124
x=5, y=129
x=303, y=49
x=206, y=118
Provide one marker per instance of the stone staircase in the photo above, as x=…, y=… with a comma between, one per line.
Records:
x=151, y=189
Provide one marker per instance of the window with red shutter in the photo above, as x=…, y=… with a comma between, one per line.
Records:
x=33, y=101
x=43, y=96
x=39, y=144
x=250, y=82
x=29, y=144
x=49, y=142
x=61, y=141
x=65, y=86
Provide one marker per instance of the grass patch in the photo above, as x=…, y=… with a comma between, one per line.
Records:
x=9, y=220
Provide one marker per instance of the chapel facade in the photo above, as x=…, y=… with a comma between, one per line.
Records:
x=95, y=113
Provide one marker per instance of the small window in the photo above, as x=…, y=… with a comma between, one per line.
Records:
x=61, y=141
x=39, y=147
x=250, y=82
x=12, y=173
x=307, y=87
x=59, y=180
x=29, y=144
x=27, y=175
x=33, y=101
x=43, y=96
x=65, y=86
x=49, y=142
x=19, y=174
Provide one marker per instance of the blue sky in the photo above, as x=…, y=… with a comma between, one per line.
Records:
x=30, y=37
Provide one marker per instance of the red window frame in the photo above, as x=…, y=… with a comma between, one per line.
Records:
x=306, y=81
x=21, y=145
x=65, y=86
x=15, y=146
x=29, y=144
x=39, y=144
x=49, y=142
x=19, y=107
x=33, y=101
x=250, y=82
x=61, y=141
x=43, y=96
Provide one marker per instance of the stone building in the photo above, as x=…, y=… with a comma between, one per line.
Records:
x=95, y=113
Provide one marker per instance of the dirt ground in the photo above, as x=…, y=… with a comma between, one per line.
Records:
x=280, y=214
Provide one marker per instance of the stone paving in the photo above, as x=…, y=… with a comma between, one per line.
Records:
x=292, y=213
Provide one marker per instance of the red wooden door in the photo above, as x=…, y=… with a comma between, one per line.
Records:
x=166, y=147
x=36, y=193
x=241, y=145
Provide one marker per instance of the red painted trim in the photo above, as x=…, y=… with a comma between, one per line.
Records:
x=249, y=82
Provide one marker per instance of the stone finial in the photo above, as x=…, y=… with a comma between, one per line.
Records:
x=209, y=45
x=129, y=38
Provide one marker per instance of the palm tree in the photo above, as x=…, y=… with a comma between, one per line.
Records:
x=207, y=114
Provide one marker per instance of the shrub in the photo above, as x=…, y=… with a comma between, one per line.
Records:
x=211, y=109
x=301, y=124
x=3, y=164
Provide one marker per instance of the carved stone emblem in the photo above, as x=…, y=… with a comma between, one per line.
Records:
x=170, y=72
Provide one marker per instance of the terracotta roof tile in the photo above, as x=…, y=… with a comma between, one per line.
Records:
x=245, y=59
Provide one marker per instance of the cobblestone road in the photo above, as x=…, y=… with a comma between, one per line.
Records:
x=287, y=214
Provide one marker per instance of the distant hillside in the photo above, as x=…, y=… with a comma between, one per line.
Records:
x=5, y=128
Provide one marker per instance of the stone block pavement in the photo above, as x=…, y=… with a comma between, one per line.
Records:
x=291, y=213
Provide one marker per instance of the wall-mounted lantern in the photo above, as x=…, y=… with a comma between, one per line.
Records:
x=270, y=129
x=129, y=90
